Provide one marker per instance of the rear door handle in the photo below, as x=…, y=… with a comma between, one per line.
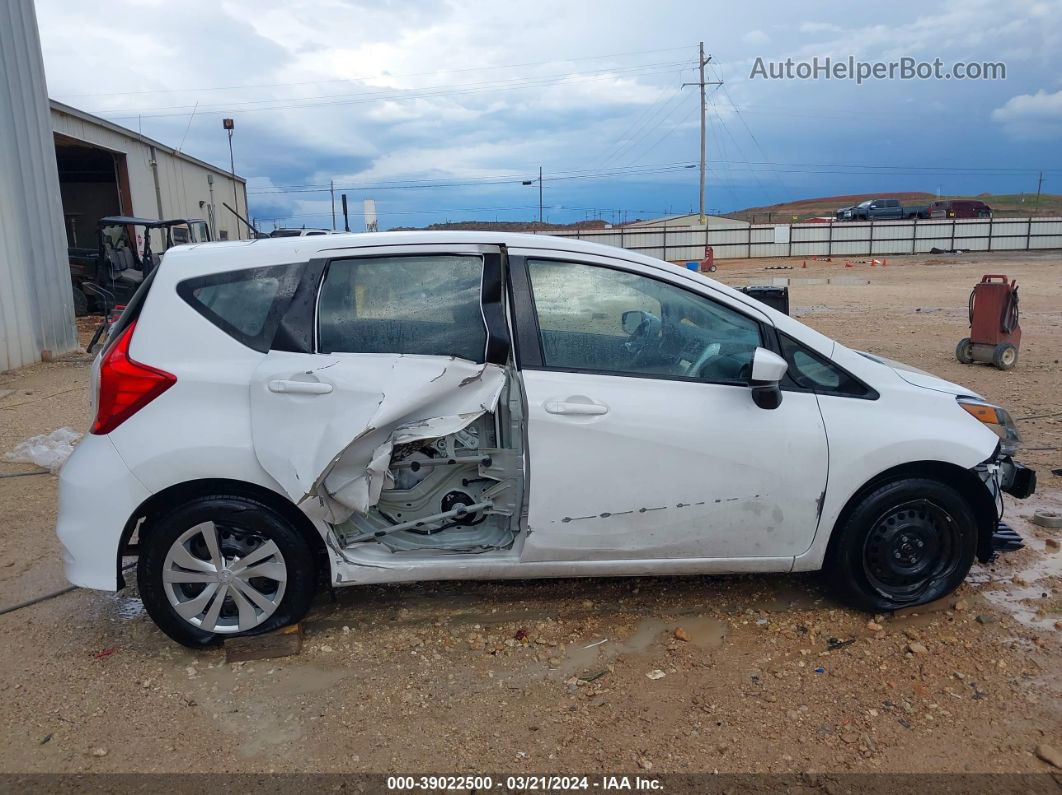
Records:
x=575, y=407
x=300, y=387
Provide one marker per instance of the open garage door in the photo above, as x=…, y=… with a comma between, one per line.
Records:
x=94, y=183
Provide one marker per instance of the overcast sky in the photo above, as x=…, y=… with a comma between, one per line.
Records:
x=469, y=98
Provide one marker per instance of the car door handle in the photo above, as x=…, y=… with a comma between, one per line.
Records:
x=575, y=407
x=300, y=387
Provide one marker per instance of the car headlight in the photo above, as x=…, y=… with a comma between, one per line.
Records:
x=998, y=419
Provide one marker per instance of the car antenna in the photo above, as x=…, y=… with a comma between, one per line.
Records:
x=248, y=224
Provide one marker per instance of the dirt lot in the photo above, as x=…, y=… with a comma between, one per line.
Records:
x=576, y=675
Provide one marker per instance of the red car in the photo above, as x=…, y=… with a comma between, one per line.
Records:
x=959, y=208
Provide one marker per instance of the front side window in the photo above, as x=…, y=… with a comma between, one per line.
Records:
x=605, y=320
x=427, y=305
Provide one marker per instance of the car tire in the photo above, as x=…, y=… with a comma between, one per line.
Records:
x=1004, y=356
x=964, y=351
x=905, y=543
x=266, y=579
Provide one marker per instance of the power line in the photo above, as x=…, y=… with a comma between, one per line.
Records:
x=750, y=166
x=433, y=72
x=397, y=95
x=501, y=180
x=666, y=113
x=529, y=207
x=623, y=139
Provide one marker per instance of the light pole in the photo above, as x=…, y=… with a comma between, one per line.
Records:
x=532, y=182
x=229, y=125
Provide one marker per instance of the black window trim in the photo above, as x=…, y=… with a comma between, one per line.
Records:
x=789, y=384
x=529, y=337
x=497, y=344
x=279, y=309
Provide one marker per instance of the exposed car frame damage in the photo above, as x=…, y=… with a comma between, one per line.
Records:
x=435, y=462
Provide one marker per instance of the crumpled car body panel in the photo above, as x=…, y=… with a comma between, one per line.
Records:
x=331, y=450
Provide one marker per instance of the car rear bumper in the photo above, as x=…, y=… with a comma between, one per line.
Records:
x=97, y=496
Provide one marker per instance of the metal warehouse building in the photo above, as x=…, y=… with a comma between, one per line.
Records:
x=61, y=170
x=105, y=169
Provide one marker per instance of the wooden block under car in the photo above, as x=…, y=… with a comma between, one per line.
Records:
x=282, y=643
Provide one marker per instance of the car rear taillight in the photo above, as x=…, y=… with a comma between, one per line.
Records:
x=126, y=386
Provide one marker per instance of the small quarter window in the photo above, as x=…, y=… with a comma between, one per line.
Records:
x=246, y=304
x=810, y=371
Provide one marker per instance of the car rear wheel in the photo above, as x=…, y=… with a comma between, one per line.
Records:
x=904, y=544
x=224, y=566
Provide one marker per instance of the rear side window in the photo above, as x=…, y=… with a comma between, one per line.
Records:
x=426, y=305
x=247, y=304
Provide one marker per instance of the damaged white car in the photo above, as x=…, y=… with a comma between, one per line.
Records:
x=392, y=407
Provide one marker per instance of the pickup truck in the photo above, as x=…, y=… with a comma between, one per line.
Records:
x=881, y=210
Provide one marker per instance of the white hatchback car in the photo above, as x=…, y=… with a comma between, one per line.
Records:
x=412, y=406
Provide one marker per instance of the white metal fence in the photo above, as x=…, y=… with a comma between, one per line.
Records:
x=835, y=239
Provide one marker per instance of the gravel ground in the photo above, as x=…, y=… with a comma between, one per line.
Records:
x=747, y=673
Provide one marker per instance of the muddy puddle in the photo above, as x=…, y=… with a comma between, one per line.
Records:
x=1032, y=595
x=590, y=657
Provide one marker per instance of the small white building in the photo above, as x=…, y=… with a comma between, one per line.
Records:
x=691, y=220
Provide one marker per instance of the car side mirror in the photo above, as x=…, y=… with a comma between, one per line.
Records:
x=633, y=319
x=768, y=369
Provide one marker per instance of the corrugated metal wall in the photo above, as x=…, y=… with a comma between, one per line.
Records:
x=841, y=239
x=36, y=302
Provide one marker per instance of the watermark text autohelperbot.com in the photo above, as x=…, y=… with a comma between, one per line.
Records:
x=850, y=68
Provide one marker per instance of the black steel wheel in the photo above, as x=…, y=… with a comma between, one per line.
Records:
x=904, y=543
x=910, y=545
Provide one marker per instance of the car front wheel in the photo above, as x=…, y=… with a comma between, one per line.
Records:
x=906, y=543
x=223, y=566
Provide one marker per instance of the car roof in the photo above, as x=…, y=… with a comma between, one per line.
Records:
x=197, y=258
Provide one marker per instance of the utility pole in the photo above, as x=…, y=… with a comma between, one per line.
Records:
x=532, y=182
x=228, y=125
x=540, y=195
x=332, y=189
x=1039, y=184
x=701, y=83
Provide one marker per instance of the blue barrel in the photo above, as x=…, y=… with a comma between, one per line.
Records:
x=693, y=266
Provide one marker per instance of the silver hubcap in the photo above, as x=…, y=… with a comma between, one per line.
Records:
x=224, y=580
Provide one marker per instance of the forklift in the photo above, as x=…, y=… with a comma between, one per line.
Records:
x=109, y=275
x=995, y=335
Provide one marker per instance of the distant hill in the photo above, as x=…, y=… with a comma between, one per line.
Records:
x=1004, y=205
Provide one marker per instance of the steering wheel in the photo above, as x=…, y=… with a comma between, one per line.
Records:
x=645, y=340
x=719, y=351
x=710, y=351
